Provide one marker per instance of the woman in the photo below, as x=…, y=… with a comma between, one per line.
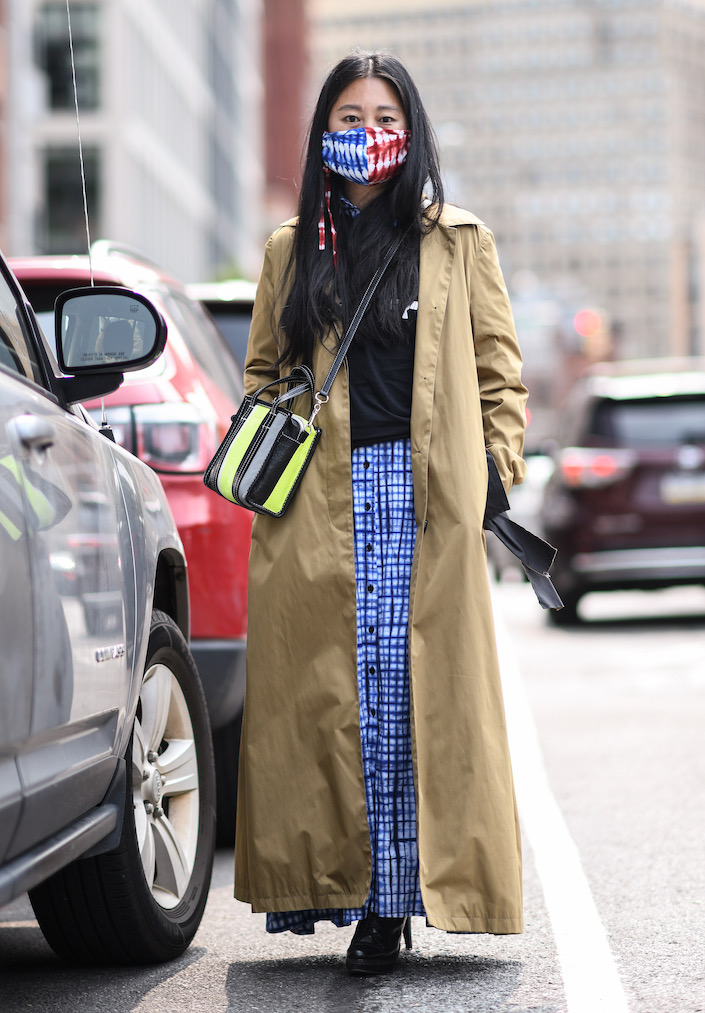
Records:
x=375, y=781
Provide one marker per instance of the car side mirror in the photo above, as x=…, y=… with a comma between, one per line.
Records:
x=102, y=332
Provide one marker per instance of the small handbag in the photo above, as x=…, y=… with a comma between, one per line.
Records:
x=267, y=449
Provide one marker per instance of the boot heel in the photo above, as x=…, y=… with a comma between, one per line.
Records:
x=407, y=933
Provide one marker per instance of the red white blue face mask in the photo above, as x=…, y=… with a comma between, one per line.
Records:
x=364, y=155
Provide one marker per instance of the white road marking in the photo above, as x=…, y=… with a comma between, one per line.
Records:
x=589, y=970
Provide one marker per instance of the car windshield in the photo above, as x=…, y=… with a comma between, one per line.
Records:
x=653, y=422
x=206, y=344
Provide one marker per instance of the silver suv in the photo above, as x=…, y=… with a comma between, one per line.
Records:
x=106, y=766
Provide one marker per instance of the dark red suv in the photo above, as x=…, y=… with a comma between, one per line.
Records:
x=625, y=505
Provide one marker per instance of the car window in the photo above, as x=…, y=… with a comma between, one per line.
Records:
x=42, y=298
x=207, y=345
x=17, y=351
x=46, y=324
x=235, y=325
x=657, y=422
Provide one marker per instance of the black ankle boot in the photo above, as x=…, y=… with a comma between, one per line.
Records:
x=375, y=946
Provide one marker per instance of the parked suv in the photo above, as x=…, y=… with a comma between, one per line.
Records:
x=173, y=415
x=106, y=770
x=626, y=503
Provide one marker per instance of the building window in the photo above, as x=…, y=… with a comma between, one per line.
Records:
x=54, y=55
x=64, y=223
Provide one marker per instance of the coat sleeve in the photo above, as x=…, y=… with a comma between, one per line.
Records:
x=262, y=348
x=502, y=394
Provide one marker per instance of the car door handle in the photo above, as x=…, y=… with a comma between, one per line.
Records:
x=34, y=432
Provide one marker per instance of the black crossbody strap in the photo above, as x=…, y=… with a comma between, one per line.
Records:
x=355, y=322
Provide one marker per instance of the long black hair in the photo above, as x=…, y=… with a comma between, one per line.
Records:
x=321, y=296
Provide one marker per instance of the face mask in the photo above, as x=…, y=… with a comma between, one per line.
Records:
x=366, y=154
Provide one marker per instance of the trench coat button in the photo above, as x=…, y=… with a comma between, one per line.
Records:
x=425, y=525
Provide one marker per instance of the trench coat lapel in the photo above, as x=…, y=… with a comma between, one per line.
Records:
x=435, y=269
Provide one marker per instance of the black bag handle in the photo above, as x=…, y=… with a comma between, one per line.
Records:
x=306, y=387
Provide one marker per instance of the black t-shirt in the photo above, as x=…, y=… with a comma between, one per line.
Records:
x=380, y=386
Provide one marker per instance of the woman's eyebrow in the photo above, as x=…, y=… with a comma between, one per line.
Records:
x=351, y=105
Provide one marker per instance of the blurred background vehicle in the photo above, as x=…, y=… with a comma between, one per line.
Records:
x=230, y=304
x=107, y=786
x=625, y=505
x=173, y=415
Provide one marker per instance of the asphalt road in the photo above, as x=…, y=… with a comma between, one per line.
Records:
x=612, y=798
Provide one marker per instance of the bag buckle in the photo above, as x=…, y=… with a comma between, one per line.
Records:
x=320, y=399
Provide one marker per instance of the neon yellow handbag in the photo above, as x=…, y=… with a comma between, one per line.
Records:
x=267, y=449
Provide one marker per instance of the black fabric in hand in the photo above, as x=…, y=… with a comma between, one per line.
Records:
x=534, y=554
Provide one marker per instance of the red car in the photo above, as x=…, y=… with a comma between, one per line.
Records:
x=173, y=415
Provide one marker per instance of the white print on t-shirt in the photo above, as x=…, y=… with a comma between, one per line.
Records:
x=414, y=307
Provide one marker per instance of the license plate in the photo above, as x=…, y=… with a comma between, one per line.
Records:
x=683, y=488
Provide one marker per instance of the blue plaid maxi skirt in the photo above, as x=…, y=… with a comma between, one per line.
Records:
x=385, y=530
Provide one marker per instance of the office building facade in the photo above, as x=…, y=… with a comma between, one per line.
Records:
x=169, y=99
x=576, y=129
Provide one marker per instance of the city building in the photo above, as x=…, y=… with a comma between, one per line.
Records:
x=285, y=74
x=576, y=130
x=170, y=99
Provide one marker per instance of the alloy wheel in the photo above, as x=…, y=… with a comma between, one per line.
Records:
x=165, y=786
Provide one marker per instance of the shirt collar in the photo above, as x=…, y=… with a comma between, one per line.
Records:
x=348, y=206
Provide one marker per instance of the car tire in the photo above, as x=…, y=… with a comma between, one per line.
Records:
x=226, y=747
x=143, y=902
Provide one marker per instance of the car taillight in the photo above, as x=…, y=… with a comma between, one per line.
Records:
x=585, y=467
x=174, y=437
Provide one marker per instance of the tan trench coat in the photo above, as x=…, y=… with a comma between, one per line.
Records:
x=302, y=834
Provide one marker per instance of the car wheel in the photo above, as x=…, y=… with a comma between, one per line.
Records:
x=143, y=902
x=226, y=747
